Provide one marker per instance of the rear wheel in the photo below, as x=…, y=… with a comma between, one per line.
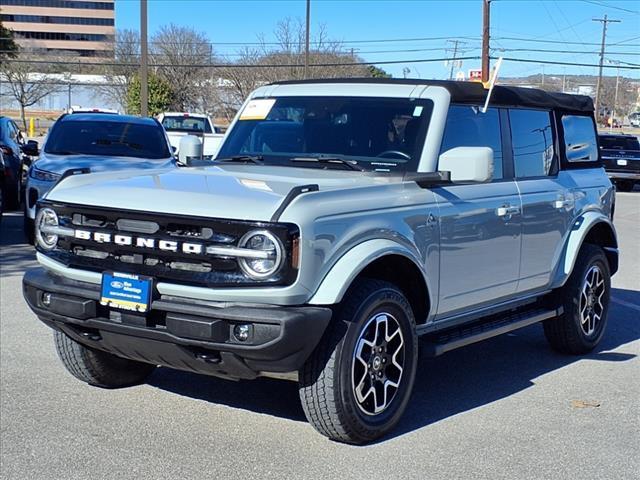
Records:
x=585, y=300
x=99, y=368
x=357, y=383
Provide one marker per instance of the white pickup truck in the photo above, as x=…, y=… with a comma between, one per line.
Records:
x=179, y=124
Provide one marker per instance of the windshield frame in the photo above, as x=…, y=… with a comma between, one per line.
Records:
x=370, y=164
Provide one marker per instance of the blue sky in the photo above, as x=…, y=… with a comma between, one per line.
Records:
x=357, y=22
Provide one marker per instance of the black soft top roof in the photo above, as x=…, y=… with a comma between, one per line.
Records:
x=474, y=92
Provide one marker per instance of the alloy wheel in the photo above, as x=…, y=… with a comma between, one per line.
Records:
x=591, y=295
x=378, y=363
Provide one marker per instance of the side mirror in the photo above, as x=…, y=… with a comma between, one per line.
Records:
x=30, y=148
x=468, y=164
x=174, y=149
x=190, y=150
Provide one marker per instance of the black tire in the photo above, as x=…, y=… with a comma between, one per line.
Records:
x=99, y=368
x=327, y=380
x=29, y=229
x=566, y=333
x=624, y=185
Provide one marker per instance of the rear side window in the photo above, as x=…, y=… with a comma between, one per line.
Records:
x=579, y=138
x=467, y=127
x=532, y=140
x=611, y=142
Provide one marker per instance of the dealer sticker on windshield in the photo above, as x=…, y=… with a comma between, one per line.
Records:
x=257, y=109
x=126, y=291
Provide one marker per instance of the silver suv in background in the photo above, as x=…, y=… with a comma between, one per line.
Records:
x=342, y=220
x=94, y=142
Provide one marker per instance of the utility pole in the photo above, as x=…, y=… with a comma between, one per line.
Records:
x=604, y=21
x=486, y=4
x=453, y=61
x=144, y=61
x=306, y=41
x=615, y=97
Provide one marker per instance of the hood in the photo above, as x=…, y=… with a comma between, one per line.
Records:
x=61, y=163
x=241, y=192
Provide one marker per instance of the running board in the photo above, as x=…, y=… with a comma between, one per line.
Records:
x=452, y=338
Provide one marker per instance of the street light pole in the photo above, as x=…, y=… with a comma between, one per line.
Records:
x=144, y=61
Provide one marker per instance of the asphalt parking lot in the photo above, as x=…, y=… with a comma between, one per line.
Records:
x=505, y=408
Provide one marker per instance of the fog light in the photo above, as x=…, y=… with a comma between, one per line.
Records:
x=241, y=332
x=46, y=299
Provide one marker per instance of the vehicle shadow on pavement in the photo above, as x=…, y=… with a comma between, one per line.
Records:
x=445, y=386
x=16, y=255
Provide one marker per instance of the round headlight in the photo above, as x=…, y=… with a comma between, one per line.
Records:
x=268, y=254
x=46, y=218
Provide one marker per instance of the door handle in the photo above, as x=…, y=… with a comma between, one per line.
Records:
x=562, y=203
x=507, y=211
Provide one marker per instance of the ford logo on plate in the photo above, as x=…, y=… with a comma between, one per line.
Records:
x=116, y=284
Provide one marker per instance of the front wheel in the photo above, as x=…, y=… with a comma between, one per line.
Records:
x=585, y=300
x=99, y=368
x=357, y=383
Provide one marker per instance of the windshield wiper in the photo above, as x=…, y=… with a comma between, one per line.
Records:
x=350, y=164
x=257, y=159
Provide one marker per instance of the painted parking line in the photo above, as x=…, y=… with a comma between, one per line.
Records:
x=624, y=303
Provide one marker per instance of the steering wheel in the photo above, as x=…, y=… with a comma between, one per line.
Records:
x=394, y=152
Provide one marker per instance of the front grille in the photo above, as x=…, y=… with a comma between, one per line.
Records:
x=201, y=269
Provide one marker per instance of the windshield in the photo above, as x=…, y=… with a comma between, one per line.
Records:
x=107, y=138
x=619, y=143
x=186, y=123
x=377, y=134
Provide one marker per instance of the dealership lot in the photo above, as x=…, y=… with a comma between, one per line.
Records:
x=505, y=408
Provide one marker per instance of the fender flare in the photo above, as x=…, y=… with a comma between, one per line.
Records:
x=342, y=274
x=580, y=229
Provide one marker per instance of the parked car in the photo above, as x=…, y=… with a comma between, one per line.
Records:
x=94, y=142
x=2, y=178
x=14, y=150
x=621, y=156
x=342, y=220
x=634, y=119
x=179, y=124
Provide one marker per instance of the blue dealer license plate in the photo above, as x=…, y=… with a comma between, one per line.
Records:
x=126, y=291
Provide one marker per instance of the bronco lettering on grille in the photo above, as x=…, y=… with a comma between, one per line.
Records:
x=140, y=242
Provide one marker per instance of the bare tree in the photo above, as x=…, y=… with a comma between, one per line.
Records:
x=285, y=60
x=182, y=56
x=27, y=82
x=126, y=50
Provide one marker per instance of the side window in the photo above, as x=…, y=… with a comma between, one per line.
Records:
x=467, y=127
x=532, y=140
x=579, y=139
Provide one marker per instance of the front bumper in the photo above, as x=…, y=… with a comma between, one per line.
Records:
x=186, y=334
x=624, y=175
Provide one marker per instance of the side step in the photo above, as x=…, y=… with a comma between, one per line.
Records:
x=452, y=338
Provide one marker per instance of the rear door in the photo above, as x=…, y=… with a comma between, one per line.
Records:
x=547, y=203
x=481, y=223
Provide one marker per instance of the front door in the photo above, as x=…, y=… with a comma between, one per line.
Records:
x=480, y=224
x=480, y=228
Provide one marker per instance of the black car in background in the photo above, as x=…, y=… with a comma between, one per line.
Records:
x=621, y=156
x=16, y=153
x=2, y=174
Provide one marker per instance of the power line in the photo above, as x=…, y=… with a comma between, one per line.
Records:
x=631, y=66
x=605, y=5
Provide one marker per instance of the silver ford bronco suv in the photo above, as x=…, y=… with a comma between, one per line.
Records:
x=341, y=221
